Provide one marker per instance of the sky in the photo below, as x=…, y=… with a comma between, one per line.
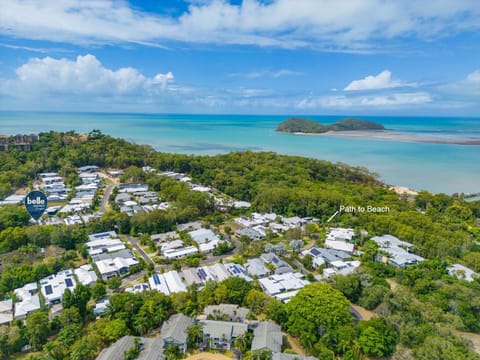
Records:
x=378, y=57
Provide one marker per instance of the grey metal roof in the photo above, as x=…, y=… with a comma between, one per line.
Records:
x=124, y=253
x=255, y=267
x=253, y=234
x=175, y=328
x=116, y=350
x=223, y=329
x=231, y=311
x=329, y=255
x=282, y=356
x=267, y=335
x=281, y=267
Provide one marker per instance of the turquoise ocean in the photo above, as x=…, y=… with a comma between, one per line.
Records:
x=434, y=167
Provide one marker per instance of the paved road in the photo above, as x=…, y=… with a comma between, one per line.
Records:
x=106, y=196
x=133, y=278
x=134, y=241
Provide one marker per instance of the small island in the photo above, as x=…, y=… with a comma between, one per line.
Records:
x=307, y=126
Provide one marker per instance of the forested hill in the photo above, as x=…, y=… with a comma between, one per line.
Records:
x=307, y=126
x=288, y=185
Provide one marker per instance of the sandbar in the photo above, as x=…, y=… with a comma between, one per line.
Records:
x=402, y=136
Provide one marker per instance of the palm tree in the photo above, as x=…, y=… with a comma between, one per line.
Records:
x=172, y=352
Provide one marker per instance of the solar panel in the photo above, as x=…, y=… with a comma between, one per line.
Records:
x=156, y=279
x=315, y=252
x=48, y=289
x=69, y=282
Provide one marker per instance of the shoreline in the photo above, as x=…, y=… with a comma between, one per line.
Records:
x=397, y=136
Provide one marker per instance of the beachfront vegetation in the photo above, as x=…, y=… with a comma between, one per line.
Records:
x=419, y=311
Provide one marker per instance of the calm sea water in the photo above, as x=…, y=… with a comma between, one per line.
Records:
x=434, y=167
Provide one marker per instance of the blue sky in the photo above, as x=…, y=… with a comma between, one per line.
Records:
x=379, y=57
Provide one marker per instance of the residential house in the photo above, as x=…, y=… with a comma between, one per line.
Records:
x=86, y=275
x=114, y=263
x=256, y=268
x=279, y=283
x=174, y=332
x=29, y=300
x=462, y=272
x=226, y=312
x=54, y=286
x=398, y=252
x=6, y=311
x=237, y=270
x=117, y=350
x=221, y=335
x=252, y=234
x=284, y=356
x=178, y=253
x=267, y=336
x=281, y=267
x=341, y=268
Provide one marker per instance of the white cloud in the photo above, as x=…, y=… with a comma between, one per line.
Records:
x=268, y=74
x=382, y=80
x=326, y=24
x=351, y=102
x=35, y=49
x=84, y=76
x=468, y=88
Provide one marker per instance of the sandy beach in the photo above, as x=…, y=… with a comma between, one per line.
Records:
x=402, y=136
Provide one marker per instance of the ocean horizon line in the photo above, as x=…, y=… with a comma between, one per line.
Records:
x=242, y=114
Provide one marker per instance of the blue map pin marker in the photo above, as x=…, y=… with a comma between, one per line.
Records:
x=36, y=203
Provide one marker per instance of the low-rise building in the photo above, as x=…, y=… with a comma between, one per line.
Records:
x=178, y=253
x=54, y=286
x=322, y=256
x=238, y=270
x=104, y=242
x=279, y=283
x=284, y=356
x=114, y=263
x=293, y=222
x=174, y=282
x=191, y=277
x=13, y=200
x=132, y=188
x=88, y=169
x=219, y=272
x=267, y=336
x=6, y=311
x=202, y=236
x=252, y=234
x=341, y=268
x=221, y=334
x=168, y=236
x=462, y=272
x=174, y=332
x=256, y=268
x=117, y=350
x=281, y=267
x=226, y=312
x=398, y=252
x=340, y=245
x=86, y=275
x=241, y=204
x=194, y=225
x=28, y=300
x=101, y=307
x=157, y=282
x=340, y=239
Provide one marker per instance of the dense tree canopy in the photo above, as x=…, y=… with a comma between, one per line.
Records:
x=316, y=310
